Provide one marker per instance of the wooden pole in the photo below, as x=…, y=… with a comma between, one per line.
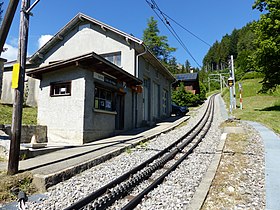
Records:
x=19, y=91
x=7, y=21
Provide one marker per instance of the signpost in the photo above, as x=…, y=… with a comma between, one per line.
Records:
x=240, y=95
x=233, y=78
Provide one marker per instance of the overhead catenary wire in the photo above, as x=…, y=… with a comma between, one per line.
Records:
x=176, y=22
x=164, y=18
x=187, y=30
x=172, y=31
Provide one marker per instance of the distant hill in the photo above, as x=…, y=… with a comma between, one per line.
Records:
x=239, y=44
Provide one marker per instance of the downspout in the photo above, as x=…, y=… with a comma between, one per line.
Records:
x=137, y=76
x=137, y=61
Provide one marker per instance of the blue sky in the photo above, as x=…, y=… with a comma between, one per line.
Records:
x=209, y=20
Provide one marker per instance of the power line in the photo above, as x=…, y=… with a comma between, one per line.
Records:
x=156, y=7
x=187, y=30
x=165, y=21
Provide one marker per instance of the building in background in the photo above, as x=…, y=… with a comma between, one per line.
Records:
x=31, y=86
x=2, y=61
x=190, y=81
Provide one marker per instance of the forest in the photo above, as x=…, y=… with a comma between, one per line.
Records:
x=239, y=44
x=255, y=47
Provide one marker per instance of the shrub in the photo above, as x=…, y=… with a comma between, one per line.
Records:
x=203, y=91
x=252, y=75
x=182, y=97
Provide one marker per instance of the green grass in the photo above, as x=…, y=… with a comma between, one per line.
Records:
x=10, y=185
x=29, y=115
x=212, y=92
x=259, y=107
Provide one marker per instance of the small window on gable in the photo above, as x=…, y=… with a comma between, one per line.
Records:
x=60, y=89
x=114, y=58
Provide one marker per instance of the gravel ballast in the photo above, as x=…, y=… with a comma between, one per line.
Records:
x=175, y=193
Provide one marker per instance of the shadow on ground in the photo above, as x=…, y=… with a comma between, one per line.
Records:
x=271, y=108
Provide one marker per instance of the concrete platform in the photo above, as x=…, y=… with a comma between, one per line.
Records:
x=272, y=165
x=55, y=166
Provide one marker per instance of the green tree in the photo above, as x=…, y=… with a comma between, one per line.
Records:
x=172, y=65
x=182, y=97
x=203, y=91
x=267, y=54
x=245, y=49
x=156, y=43
x=187, y=66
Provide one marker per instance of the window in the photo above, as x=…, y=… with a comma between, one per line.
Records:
x=114, y=58
x=103, y=99
x=60, y=89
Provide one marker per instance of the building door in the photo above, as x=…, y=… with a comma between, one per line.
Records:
x=146, y=100
x=120, y=112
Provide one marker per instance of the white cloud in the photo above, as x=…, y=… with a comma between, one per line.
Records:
x=43, y=39
x=11, y=52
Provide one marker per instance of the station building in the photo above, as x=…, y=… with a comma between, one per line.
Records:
x=96, y=81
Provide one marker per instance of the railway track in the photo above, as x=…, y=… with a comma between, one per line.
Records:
x=172, y=156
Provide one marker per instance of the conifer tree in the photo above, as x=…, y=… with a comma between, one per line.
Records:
x=156, y=43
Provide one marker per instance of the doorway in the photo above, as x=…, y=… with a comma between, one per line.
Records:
x=119, y=120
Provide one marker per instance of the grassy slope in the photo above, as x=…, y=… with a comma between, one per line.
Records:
x=29, y=115
x=263, y=108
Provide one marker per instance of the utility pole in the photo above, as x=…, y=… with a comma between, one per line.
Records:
x=7, y=21
x=19, y=91
x=233, y=76
x=19, y=87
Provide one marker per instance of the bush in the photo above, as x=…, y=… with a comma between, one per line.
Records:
x=203, y=91
x=252, y=75
x=182, y=97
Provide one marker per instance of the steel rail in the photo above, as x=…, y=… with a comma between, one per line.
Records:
x=96, y=194
x=137, y=199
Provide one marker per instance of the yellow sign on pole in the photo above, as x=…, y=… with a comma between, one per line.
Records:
x=15, y=75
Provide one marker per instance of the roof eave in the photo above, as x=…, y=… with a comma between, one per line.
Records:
x=37, y=72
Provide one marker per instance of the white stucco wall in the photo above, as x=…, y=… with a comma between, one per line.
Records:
x=64, y=115
x=94, y=39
